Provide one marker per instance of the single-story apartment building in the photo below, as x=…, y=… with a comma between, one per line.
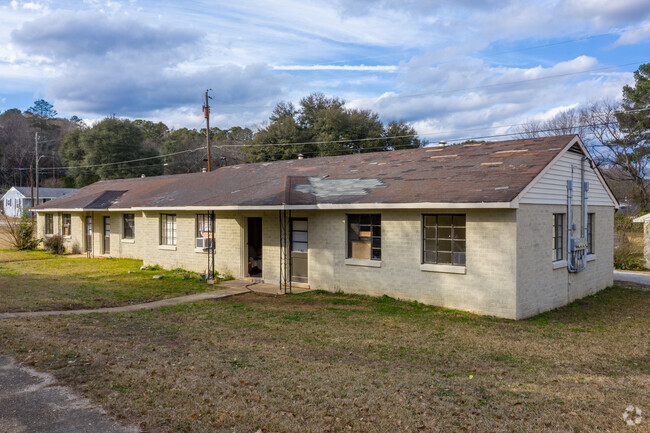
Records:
x=18, y=199
x=498, y=228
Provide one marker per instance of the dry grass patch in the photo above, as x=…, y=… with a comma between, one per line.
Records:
x=35, y=280
x=329, y=362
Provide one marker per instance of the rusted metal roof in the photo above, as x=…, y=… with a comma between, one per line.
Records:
x=492, y=172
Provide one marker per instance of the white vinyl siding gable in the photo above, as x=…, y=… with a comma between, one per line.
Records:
x=551, y=187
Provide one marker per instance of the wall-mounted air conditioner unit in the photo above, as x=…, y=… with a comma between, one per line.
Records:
x=205, y=243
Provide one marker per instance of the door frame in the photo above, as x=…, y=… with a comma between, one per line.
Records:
x=88, y=237
x=291, y=220
x=245, y=244
x=104, y=219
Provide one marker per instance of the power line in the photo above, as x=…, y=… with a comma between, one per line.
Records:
x=430, y=134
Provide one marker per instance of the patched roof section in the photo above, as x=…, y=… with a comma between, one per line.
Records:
x=105, y=200
x=490, y=172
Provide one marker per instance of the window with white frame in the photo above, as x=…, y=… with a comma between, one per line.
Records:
x=66, y=224
x=364, y=236
x=128, y=226
x=443, y=239
x=167, y=229
x=49, y=224
x=558, y=236
x=203, y=226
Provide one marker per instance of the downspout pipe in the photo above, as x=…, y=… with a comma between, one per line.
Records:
x=569, y=201
x=583, y=199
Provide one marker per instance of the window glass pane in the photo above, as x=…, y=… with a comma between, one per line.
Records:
x=430, y=245
x=300, y=236
x=459, y=233
x=376, y=219
x=444, y=232
x=444, y=220
x=299, y=247
x=444, y=245
x=376, y=242
x=365, y=219
x=376, y=230
x=300, y=225
x=459, y=246
x=444, y=258
x=376, y=253
x=429, y=220
x=429, y=257
x=354, y=231
x=459, y=220
x=430, y=232
x=459, y=259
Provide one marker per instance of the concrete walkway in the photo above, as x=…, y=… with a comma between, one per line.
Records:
x=231, y=288
x=135, y=307
x=32, y=402
x=632, y=277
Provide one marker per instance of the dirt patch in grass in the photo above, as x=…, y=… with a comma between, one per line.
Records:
x=36, y=281
x=329, y=362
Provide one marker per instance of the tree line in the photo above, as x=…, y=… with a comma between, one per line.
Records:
x=73, y=154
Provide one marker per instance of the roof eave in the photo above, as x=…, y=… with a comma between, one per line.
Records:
x=323, y=206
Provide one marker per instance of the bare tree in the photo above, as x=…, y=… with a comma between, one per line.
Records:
x=623, y=159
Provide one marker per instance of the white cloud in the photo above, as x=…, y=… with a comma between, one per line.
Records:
x=634, y=35
x=377, y=68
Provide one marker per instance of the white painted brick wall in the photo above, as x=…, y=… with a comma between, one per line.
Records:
x=509, y=272
x=539, y=286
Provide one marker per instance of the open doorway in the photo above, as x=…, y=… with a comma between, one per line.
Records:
x=254, y=252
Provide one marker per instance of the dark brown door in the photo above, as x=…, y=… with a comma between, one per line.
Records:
x=107, y=235
x=299, y=250
x=89, y=233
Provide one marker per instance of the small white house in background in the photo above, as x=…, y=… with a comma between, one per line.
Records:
x=18, y=198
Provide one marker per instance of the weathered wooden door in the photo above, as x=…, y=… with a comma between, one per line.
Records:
x=299, y=250
x=107, y=235
x=89, y=233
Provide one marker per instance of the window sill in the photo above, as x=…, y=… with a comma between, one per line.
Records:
x=200, y=250
x=363, y=262
x=167, y=247
x=67, y=237
x=128, y=241
x=447, y=269
x=559, y=264
x=591, y=257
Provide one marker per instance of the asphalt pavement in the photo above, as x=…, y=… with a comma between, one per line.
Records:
x=632, y=277
x=33, y=402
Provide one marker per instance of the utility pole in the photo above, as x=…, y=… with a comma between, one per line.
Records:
x=31, y=187
x=36, y=145
x=206, y=114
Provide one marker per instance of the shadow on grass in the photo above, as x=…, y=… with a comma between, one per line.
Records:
x=612, y=300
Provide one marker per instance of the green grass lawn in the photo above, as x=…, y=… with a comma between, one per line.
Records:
x=36, y=280
x=321, y=362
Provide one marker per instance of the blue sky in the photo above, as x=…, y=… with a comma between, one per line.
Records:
x=452, y=68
